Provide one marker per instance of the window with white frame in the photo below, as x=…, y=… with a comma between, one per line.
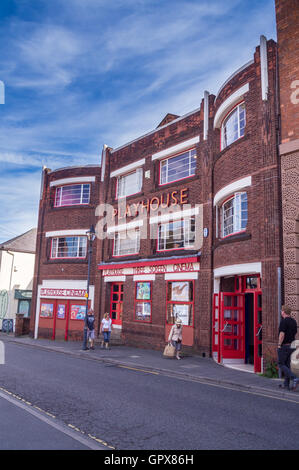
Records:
x=126, y=242
x=176, y=234
x=178, y=167
x=69, y=247
x=129, y=184
x=234, y=214
x=72, y=194
x=233, y=126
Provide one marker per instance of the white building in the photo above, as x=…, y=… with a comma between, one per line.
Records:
x=17, y=257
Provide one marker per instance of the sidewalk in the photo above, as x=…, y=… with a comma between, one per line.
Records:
x=193, y=367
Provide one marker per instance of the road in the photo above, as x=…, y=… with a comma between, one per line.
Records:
x=127, y=409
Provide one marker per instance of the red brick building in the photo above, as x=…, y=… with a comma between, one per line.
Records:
x=188, y=220
x=217, y=170
x=68, y=200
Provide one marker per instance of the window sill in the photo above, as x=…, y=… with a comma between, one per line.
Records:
x=67, y=261
x=239, y=237
x=234, y=144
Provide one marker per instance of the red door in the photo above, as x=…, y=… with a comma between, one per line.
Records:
x=60, y=320
x=257, y=320
x=116, y=303
x=232, y=326
x=216, y=341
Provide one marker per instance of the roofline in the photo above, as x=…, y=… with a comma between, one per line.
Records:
x=156, y=130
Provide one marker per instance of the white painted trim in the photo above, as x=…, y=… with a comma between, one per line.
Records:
x=235, y=269
x=64, y=284
x=123, y=227
x=228, y=104
x=62, y=233
x=127, y=168
x=144, y=277
x=174, y=215
x=264, y=68
x=77, y=179
x=114, y=278
x=175, y=148
x=181, y=276
x=103, y=162
x=206, y=115
x=232, y=188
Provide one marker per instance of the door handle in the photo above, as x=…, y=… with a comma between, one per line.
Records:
x=226, y=324
x=260, y=329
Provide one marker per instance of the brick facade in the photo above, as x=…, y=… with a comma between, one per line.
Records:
x=287, y=18
x=250, y=165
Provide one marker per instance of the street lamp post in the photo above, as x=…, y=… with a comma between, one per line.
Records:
x=90, y=238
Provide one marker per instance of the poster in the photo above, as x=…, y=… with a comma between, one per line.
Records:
x=46, y=310
x=180, y=291
x=143, y=291
x=78, y=312
x=143, y=311
x=61, y=311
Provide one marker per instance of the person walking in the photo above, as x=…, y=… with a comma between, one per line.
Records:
x=106, y=327
x=90, y=328
x=287, y=332
x=175, y=337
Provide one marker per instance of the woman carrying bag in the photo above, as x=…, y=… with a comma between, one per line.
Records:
x=175, y=337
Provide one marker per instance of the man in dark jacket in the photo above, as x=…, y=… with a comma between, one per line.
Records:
x=287, y=333
x=90, y=326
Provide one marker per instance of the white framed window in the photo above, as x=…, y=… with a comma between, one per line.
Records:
x=72, y=194
x=233, y=125
x=129, y=184
x=177, y=234
x=178, y=167
x=68, y=247
x=234, y=214
x=126, y=243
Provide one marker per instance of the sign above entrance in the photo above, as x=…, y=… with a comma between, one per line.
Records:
x=161, y=267
x=62, y=292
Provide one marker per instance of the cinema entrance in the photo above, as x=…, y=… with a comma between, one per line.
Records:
x=237, y=322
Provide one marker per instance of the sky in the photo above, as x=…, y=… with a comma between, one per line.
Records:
x=79, y=74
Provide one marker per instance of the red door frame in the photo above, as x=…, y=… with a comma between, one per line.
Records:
x=218, y=331
x=215, y=327
x=258, y=325
x=232, y=326
x=119, y=302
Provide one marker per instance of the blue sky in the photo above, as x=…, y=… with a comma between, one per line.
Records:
x=82, y=73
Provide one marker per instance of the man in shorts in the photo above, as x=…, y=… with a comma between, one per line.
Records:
x=90, y=328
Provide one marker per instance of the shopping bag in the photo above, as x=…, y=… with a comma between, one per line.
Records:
x=169, y=350
x=295, y=358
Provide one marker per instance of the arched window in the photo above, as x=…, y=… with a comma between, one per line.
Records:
x=233, y=125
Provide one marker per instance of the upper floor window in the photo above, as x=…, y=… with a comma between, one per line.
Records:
x=177, y=234
x=126, y=243
x=69, y=247
x=233, y=126
x=129, y=184
x=234, y=214
x=71, y=195
x=178, y=167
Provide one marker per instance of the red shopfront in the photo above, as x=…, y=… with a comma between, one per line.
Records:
x=165, y=285
x=237, y=323
x=61, y=318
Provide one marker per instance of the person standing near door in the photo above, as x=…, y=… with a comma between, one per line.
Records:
x=287, y=333
x=106, y=325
